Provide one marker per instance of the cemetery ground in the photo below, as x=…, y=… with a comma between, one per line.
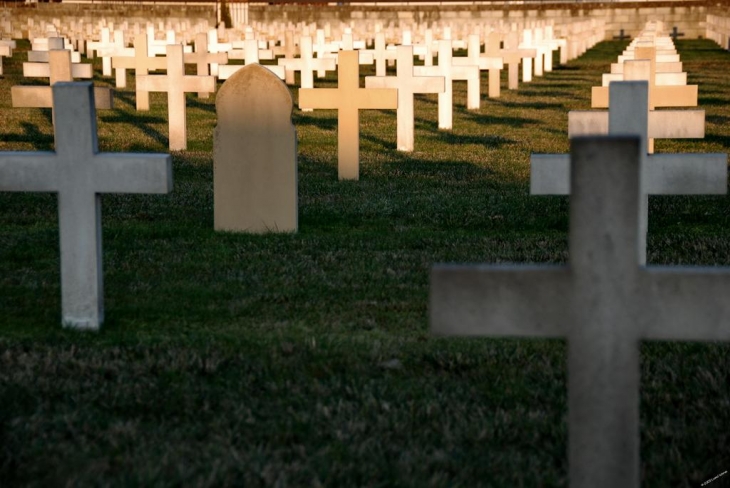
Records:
x=305, y=359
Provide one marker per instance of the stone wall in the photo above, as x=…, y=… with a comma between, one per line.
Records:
x=688, y=16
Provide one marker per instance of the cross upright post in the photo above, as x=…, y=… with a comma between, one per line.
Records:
x=203, y=59
x=407, y=85
x=348, y=99
x=604, y=301
x=79, y=173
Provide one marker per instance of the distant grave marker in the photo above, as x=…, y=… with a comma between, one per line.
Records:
x=176, y=84
x=142, y=64
x=79, y=173
x=407, y=85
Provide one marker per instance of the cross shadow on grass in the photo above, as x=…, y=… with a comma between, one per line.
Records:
x=141, y=122
x=491, y=119
x=306, y=119
x=200, y=103
x=31, y=135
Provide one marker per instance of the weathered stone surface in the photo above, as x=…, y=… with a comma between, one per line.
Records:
x=79, y=173
x=255, y=154
x=604, y=302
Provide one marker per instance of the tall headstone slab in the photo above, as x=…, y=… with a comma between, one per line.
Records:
x=604, y=301
x=79, y=174
x=255, y=154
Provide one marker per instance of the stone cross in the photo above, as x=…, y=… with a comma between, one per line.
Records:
x=621, y=36
x=142, y=64
x=492, y=64
x=407, y=85
x=675, y=34
x=79, y=173
x=307, y=64
x=176, y=84
x=664, y=174
x=604, y=301
x=119, y=49
x=450, y=73
x=348, y=99
x=102, y=47
x=512, y=54
x=202, y=58
x=58, y=69
x=659, y=95
x=255, y=156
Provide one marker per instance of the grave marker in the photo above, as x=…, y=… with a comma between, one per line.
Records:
x=407, y=85
x=79, y=173
x=604, y=302
x=348, y=99
x=664, y=174
x=142, y=64
x=176, y=84
x=255, y=156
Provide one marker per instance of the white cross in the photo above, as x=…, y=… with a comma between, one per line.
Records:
x=450, y=73
x=306, y=64
x=604, y=301
x=492, y=64
x=58, y=69
x=79, y=173
x=407, y=85
x=142, y=64
x=202, y=58
x=176, y=84
x=664, y=174
x=348, y=99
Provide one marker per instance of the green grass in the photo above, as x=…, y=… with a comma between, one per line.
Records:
x=305, y=359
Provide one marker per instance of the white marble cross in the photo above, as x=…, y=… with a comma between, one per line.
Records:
x=307, y=64
x=604, y=301
x=176, y=84
x=203, y=59
x=142, y=64
x=450, y=73
x=664, y=174
x=348, y=99
x=407, y=85
x=492, y=64
x=58, y=69
x=79, y=173
x=512, y=54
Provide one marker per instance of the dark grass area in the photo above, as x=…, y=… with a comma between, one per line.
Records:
x=305, y=359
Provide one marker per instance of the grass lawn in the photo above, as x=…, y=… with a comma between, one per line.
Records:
x=305, y=359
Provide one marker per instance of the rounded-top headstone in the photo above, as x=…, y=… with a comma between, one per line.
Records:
x=255, y=154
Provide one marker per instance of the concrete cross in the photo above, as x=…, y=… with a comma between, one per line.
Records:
x=450, y=73
x=664, y=174
x=621, y=36
x=119, y=49
x=675, y=34
x=79, y=173
x=512, y=54
x=348, y=99
x=202, y=58
x=104, y=45
x=142, y=64
x=604, y=301
x=407, y=85
x=659, y=95
x=176, y=84
x=58, y=69
x=487, y=62
x=307, y=64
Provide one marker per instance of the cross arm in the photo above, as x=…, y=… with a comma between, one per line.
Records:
x=688, y=303
x=132, y=173
x=193, y=83
x=663, y=124
x=508, y=300
x=687, y=174
x=28, y=171
x=152, y=83
x=326, y=98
